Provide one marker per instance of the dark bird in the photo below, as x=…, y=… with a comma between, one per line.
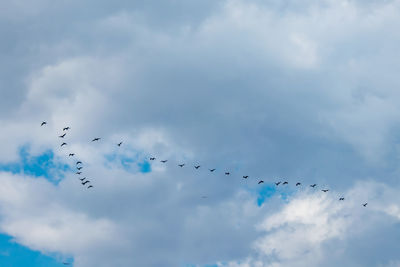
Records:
x=96, y=139
x=79, y=173
x=245, y=176
x=85, y=182
x=90, y=186
x=79, y=168
x=71, y=154
x=297, y=184
x=66, y=128
x=82, y=179
x=260, y=182
x=64, y=144
x=342, y=198
x=211, y=170
x=66, y=263
x=152, y=158
x=313, y=185
x=43, y=123
x=119, y=144
x=62, y=136
x=78, y=162
x=227, y=173
x=325, y=190
x=163, y=161
x=196, y=167
x=278, y=183
x=285, y=183
x=181, y=165
x=365, y=204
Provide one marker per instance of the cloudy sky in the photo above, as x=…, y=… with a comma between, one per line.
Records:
x=298, y=91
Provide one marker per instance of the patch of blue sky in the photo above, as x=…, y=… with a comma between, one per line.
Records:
x=197, y=265
x=264, y=192
x=43, y=165
x=134, y=163
x=13, y=254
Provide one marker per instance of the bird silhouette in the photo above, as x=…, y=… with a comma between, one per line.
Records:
x=313, y=185
x=90, y=186
x=342, y=198
x=325, y=190
x=181, y=165
x=63, y=135
x=211, y=170
x=152, y=158
x=227, y=173
x=85, y=182
x=66, y=263
x=66, y=128
x=278, y=183
x=260, y=182
x=82, y=179
x=285, y=183
x=163, y=161
x=96, y=139
x=79, y=173
x=79, y=168
x=78, y=162
x=245, y=176
x=71, y=154
x=64, y=144
x=196, y=167
x=297, y=184
x=365, y=204
x=119, y=144
x=43, y=123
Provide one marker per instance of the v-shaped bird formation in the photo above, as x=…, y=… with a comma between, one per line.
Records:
x=84, y=181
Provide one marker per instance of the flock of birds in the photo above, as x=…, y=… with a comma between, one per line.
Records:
x=84, y=181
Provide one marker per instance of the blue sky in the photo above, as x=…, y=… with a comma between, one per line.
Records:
x=277, y=90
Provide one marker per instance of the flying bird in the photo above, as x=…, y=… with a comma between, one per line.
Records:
x=79, y=168
x=297, y=184
x=260, y=182
x=85, y=182
x=325, y=190
x=64, y=144
x=285, y=183
x=96, y=139
x=196, y=167
x=90, y=186
x=43, y=123
x=227, y=173
x=181, y=165
x=245, y=176
x=152, y=158
x=79, y=173
x=66, y=128
x=119, y=144
x=71, y=154
x=78, y=162
x=66, y=263
x=163, y=161
x=62, y=136
x=342, y=198
x=82, y=179
x=365, y=204
x=278, y=183
x=313, y=185
x=211, y=170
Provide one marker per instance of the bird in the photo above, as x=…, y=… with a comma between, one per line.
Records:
x=79, y=173
x=62, y=136
x=163, y=161
x=85, y=182
x=71, y=154
x=285, y=183
x=313, y=185
x=66, y=128
x=96, y=139
x=325, y=190
x=82, y=179
x=79, y=168
x=196, y=167
x=245, y=176
x=181, y=165
x=119, y=144
x=297, y=184
x=43, y=123
x=152, y=158
x=278, y=183
x=204, y=197
x=260, y=182
x=365, y=204
x=211, y=170
x=342, y=198
x=90, y=186
x=64, y=144
x=78, y=162
x=66, y=263
x=227, y=173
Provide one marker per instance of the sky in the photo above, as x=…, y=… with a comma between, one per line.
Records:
x=297, y=91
